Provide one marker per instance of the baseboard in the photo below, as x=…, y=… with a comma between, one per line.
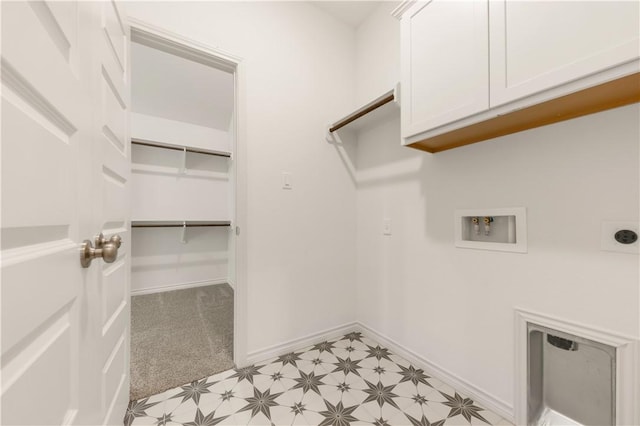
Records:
x=299, y=343
x=484, y=398
x=179, y=286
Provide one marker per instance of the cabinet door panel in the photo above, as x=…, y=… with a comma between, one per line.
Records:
x=538, y=45
x=444, y=63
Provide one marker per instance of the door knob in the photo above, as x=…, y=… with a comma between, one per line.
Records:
x=101, y=241
x=107, y=249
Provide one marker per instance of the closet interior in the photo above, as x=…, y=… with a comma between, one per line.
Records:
x=183, y=268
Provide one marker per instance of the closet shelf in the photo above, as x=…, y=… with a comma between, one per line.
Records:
x=382, y=105
x=155, y=144
x=178, y=223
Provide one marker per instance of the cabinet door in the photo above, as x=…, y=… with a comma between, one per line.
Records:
x=538, y=45
x=445, y=73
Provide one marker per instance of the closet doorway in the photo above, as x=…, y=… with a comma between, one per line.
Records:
x=185, y=212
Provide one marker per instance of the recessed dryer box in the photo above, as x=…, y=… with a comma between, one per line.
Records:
x=507, y=229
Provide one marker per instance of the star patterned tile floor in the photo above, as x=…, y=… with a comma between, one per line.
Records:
x=343, y=382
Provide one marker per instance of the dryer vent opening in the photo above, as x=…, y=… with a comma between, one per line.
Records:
x=570, y=379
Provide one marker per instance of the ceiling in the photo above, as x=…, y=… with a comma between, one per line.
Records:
x=352, y=13
x=168, y=86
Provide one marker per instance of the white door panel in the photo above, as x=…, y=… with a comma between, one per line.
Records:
x=65, y=15
x=43, y=125
x=32, y=374
x=113, y=173
x=65, y=174
x=29, y=298
x=42, y=161
x=116, y=33
x=32, y=28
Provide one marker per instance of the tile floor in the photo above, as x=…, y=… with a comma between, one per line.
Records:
x=342, y=382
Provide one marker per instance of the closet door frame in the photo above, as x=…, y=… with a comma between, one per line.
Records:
x=166, y=41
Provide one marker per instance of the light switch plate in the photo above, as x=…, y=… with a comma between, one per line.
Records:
x=386, y=227
x=286, y=180
x=608, y=241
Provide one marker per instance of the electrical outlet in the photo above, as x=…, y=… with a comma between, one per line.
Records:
x=608, y=237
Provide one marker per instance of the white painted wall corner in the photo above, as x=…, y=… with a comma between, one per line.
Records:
x=300, y=343
x=481, y=396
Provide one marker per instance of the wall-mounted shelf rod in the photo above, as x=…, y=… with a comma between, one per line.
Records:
x=366, y=109
x=180, y=148
x=178, y=223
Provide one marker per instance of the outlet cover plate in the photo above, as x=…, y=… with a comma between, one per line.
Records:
x=386, y=227
x=608, y=241
x=286, y=180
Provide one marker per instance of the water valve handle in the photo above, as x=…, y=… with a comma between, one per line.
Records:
x=487, y=224
x=476, y=225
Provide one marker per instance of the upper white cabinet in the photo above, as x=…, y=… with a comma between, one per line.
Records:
x=539, y=45
x=475, y=70
x=445, y=56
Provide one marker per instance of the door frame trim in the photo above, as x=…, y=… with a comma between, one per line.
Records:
x=159, y=38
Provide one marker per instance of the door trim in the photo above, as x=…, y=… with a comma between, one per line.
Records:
x=167, y=41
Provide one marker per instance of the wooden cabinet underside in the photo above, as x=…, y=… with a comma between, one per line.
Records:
x=613, y=94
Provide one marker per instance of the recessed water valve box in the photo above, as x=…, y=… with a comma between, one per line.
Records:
x=502, y=229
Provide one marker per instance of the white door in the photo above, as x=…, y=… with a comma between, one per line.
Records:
x=64, y=179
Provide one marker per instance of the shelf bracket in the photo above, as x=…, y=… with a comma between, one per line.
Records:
x=183, y=239
x=329, y=135
x=183, y=167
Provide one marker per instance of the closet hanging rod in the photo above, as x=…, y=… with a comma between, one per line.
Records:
x=180, y=148
x=179, y=224
x=375, y=104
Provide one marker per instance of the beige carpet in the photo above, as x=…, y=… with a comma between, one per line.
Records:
x=180, y=336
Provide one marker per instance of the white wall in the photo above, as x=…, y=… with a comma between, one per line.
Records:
x=455, y=306
x=299, y=75
x=169, y=86
x=377, y=53
x=161, y=262
x=163, y=190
